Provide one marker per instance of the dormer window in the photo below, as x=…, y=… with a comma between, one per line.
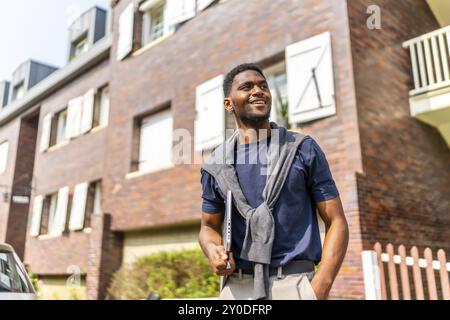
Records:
x=18, y=91
x=85, y=31
x=79, y=47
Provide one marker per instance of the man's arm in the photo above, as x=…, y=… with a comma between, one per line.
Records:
x=210, y=240
x=334, y=247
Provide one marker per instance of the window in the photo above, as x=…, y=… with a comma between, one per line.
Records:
x=18, y=91
x=154, y=142
x=156, y=23
x=61, y=120
x=3, y=156
x=79, y=47
x=58, y=126
x=93, y=203
x=153, y=24
x=86, y=202
x=276, y=77
x=49, y=214
x=101, y=110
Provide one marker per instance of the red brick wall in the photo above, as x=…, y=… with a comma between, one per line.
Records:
x=105, y=257
x=219, y=38
x=22, y=183
x=404, y=192
x=8, y=132
x=80, y=160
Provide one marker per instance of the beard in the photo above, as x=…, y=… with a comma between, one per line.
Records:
x=255, y=118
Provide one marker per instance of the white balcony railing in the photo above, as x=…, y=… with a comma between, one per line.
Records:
x=430, y=59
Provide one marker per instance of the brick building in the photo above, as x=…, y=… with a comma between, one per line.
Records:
x=91, y=144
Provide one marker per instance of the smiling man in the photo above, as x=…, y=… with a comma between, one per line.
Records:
x=278, y=179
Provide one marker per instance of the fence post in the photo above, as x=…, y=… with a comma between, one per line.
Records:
x=444, y=274
x=371, y=275
x=432, y=291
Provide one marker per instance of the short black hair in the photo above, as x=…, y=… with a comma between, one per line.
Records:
x=227, y=82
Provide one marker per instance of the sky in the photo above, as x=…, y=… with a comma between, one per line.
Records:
x=37, y=29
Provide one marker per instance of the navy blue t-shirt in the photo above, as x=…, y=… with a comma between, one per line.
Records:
x=309, y=181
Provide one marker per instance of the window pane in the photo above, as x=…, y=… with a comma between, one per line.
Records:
x=157, y=23
x=277, y=79
x=104, y=107
x=52, y=213
x=19, y=91
x=97, y=198
x=61, y=127
x=81, y=47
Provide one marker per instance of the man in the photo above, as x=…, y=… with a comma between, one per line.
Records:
x=275, y=236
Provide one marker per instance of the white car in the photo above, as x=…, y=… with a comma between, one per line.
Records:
x=14, y=281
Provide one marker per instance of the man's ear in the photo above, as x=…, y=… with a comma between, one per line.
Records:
x=228, y=104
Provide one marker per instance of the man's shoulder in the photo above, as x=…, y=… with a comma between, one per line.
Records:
x=306, y=140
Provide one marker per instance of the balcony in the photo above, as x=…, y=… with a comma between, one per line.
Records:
x=430, y=99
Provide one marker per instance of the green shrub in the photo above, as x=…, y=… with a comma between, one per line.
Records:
x=34, y=280
x=176, y=274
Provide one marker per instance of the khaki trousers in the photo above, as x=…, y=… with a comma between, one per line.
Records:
x=289, y=287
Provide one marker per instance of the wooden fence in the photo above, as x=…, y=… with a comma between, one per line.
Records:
x=381, y=271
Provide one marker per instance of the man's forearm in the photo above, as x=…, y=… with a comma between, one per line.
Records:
x=208, y=236
x=333, y=253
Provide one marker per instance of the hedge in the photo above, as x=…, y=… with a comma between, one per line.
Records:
x=170, y=275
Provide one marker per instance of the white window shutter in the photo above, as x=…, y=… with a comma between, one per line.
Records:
x=69, y=119
x=45, y=133
x=77, y=212
x=209, y=126
x=310, y=94
x=88, y=111
x=36, y=216
x=3, y=156
x=155, y=148
x=178, y=11
x=203, y=4
x=126, y=30
x=61, y=211
x=74, y=114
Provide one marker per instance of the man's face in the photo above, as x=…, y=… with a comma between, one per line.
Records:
x=250, y=97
